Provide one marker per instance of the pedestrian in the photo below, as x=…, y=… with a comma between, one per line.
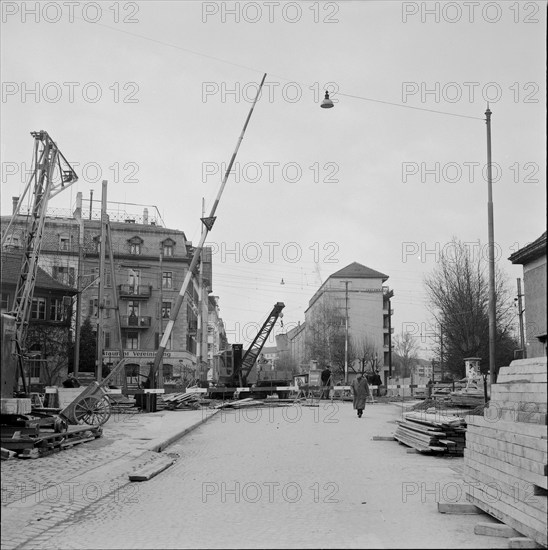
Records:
x=326, y=382
x=360, y=392
x=377, y=381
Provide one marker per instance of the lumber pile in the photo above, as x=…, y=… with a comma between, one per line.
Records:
x=172, y=401
x=467, y=398
x=505, y=460
x=432, y=432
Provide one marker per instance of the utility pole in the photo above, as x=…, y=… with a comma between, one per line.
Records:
x=521, y=331
x=100, y=299
x=199, y=328
x=491, y=237
x=346, y=331
x=77, y=327
x=161, y=307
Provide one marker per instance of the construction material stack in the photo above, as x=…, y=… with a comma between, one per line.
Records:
x=432, y=432
x=505, y=460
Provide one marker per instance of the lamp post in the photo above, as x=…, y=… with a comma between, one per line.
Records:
x=328, y=104
x=491, y=244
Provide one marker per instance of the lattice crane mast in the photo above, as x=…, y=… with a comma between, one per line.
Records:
x=51, y=174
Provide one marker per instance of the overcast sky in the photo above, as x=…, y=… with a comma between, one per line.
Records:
x=152, y=96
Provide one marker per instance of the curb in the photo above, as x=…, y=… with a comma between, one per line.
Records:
x=159, y=447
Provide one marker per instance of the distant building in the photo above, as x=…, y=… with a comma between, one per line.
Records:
x=533, y=259
x=49, y=331
x=356, y=292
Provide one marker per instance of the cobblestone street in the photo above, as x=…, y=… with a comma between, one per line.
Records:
x=294, y=477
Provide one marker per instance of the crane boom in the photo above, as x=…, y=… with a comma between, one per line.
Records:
x=250, y=356
x=46, y=182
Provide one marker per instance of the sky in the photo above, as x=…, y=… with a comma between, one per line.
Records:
x=153, y=96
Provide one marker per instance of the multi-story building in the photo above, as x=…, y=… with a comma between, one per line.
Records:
x=216, y=334
x=150, y=263
x=355, y=297
x=48, y=341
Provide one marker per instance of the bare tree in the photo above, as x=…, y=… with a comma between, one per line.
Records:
x=325, y=336
x=365, y=351
x=406, y=348
x=53, y=344
x=458, y=294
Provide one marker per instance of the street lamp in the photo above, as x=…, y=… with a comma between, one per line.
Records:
x=327, y=104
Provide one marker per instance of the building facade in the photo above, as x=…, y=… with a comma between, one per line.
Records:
x=49, y=339
x=533, y=259
x=150, y=263
x=357, y=299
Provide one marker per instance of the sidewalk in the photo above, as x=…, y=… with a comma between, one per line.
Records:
x=40, y=493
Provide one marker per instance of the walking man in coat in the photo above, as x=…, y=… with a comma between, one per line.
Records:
x=360, y=391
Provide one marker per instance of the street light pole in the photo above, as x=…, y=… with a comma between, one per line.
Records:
x=491, y=243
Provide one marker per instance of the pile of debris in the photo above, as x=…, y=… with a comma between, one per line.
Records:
x=432, y=432
x=251, y=402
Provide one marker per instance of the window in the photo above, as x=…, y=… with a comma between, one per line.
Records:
x=167, y=279
x=93, y=309
x=107, y=339
x=134, y=279
x=133, y=312
x=12, y=241
x=64, y=274
x=167, y=247
x=132, y=374
x=135, y=245
x=107, y=309
x=64, y=242
x=5, y=303
x=38, y=310
x=56, y=310
x=131, y=340
x=167, y=371
x=166, y=310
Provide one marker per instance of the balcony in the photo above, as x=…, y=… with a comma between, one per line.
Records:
x=134, y=321
x=133, y=292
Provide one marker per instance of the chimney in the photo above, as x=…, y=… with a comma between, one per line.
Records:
x=145, y=216
x=14, y=200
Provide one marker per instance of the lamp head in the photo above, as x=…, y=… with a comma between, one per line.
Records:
x=326, y=103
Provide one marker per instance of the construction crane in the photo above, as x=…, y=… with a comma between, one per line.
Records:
x=231, y=369
x=51, y=174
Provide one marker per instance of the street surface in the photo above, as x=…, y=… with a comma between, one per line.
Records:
x=294, y=477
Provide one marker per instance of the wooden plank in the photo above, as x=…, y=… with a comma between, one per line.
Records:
x=501, y=466
x=533, y=430
x=538, y=535
x=494, y=414
x=526, y=441
x=522, y=542
x=151, y=470
x=521, y=492
x=505, y=456
x=511, y=448
x=458, y=508
x=382, y=438
x=520, y=377
x=495, y=530
x=519, y=387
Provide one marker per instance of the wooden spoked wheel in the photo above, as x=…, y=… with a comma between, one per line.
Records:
x=92, y=410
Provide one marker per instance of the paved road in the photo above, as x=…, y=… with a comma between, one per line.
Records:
x=296, y=477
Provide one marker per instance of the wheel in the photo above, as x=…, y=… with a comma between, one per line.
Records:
x=92, y=410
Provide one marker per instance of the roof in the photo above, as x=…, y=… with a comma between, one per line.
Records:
x=531, y=252
x=358, y=271
x=11, y=270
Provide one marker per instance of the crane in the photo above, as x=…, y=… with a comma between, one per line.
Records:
x=51, y=174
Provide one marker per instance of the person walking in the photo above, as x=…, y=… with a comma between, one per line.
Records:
x=360, y=392
x=326, y=382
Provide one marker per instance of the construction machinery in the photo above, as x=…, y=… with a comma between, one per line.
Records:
x=51, y=174
x=233, y=369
